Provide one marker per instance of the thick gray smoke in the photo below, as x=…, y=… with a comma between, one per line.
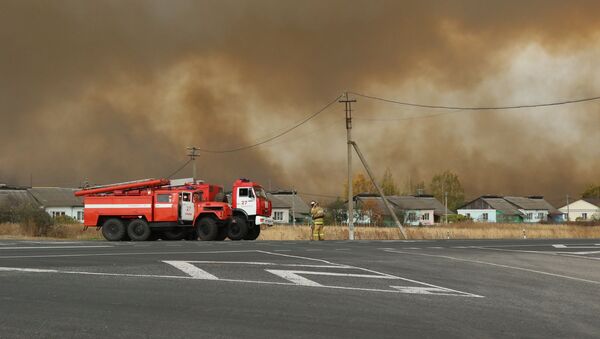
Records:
x=112, y=90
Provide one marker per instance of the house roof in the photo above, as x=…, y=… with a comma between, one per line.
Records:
x=12, y=196
x=285, y=199
x=55, y=196
x=532, y=203
x=510, y=205
x=593, y=201
x=404, y=203
x=502, y=205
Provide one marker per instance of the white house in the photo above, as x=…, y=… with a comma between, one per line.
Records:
x=582, y=209
x=419, y=210
x=287, y=206
x=58, y=201
x=490, y=208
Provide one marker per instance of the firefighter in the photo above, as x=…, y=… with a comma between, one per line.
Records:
x=317, y=213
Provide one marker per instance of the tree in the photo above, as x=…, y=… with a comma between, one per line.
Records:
x=388, y=185
x=593, y=191
x=448, y=182
x=360, y=184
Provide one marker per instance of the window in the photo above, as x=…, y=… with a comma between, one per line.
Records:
x=540, y=215
x=260, y=192
x=468, y=215
x=425, y=216
x=584, y=216
x=186, y=196
x=529, y=216
x=412, y=216
x=278, y=215
x=243, y=192
x=163, y=198
x=79, y=215
x=197, y=197
x=484, y=216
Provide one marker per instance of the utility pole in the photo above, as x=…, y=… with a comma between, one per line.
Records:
x=386, y=203
x=446, y=206
x=192, y=154
x=293, y=207
x=568, y=209
x=348, y=108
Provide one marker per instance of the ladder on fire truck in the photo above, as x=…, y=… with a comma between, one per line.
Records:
x=123, y=186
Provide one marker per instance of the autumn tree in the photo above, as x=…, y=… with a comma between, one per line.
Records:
x=450, y=183
x=593, y=191
x=360, y=184
x=388, y=185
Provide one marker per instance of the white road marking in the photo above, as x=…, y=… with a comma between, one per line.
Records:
x=192, y=270
x=50, y=247
x=282, y=250
x=566, y=246
x=117, y=254
x=499, y=265
x=294, y=277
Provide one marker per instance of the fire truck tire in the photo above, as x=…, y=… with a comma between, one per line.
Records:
x=253, y=233
x=175, y=234
x=238, y=228
x=191, y=235
x=138, y=230
x=222, y=234
x=114, y=230
x=207, y=229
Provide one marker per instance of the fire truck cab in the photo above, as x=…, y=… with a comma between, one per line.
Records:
x=251, y=209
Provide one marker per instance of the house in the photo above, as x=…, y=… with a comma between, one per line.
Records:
x=582, y=209
x=414, y=210
x=58, y=201
x=509, y=209
x=288, y=205
x=14, y=195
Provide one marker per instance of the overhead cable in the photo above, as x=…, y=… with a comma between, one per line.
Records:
x=475, y=108
x=286, y=131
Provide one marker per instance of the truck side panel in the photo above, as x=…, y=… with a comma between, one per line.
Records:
x=97, y=207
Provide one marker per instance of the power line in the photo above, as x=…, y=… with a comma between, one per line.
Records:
x=472, y=108
x=302, y=122
x=179, y=169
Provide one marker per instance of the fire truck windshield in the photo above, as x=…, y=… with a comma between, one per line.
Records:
x=260, y=192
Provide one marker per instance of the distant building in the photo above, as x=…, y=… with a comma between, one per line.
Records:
x=491, y=208
x=287, y=206
x=54, y=200
x=415, y=210
x=582, y=210
x=58, y=201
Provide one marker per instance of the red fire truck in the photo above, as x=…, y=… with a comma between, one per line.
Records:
x=251, y=208
x=173, y=209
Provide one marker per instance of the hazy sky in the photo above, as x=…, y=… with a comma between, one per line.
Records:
x=115, y=90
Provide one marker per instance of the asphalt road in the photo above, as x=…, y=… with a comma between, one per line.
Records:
x=278, y=289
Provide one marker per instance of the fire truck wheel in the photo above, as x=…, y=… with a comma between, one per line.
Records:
x=138, y=230
x=113, y=230
x=207, y=229
x=238, y=228
x=253, y=233
x=175, y=234
x=222, y=234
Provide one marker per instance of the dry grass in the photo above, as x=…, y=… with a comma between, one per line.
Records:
x=57, y=231
x=452, y=231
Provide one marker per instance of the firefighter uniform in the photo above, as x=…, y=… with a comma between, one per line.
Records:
x=318, y=214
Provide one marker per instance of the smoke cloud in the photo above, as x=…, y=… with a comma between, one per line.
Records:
x=108, y=91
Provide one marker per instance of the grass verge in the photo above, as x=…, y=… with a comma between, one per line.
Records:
x=451, y=231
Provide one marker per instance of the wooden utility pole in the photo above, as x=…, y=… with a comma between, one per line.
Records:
x=348, y=108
